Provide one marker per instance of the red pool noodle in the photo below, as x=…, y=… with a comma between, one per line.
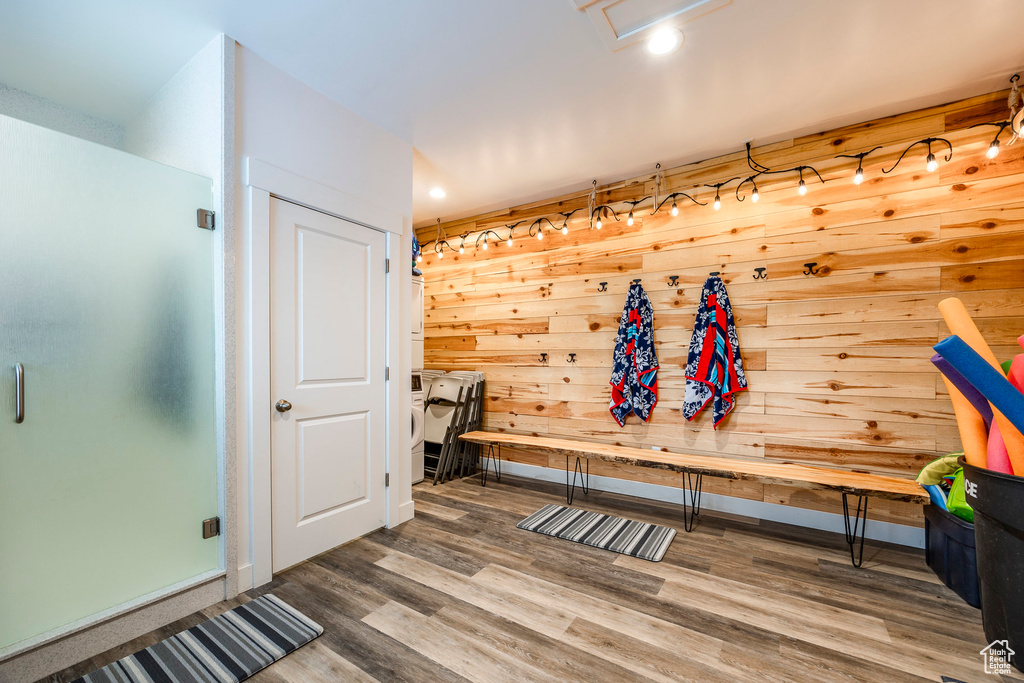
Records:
x=997, y=460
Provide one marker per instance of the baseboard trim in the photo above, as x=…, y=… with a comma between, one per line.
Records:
x=406, y=511
x=245, y=578
x=812, y=519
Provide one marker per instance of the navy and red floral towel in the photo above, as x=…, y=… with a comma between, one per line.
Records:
x=635, y=364
x=714, y=368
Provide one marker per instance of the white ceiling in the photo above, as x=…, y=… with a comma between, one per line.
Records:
x=512, y=100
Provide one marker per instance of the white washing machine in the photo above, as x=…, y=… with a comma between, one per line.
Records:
x=417, y=428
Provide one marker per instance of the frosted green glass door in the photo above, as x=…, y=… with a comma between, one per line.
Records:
x=107, y=303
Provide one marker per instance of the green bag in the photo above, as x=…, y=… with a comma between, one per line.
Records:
x=934, y=472
x=957, y=502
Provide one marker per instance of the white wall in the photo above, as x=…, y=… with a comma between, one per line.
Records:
x=19, y=104
x=287, y=124
x=181, y=125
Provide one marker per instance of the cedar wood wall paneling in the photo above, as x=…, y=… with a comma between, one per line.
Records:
x=837, y=363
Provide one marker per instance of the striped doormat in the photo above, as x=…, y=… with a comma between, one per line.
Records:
x=226, y=649
x=639, y=539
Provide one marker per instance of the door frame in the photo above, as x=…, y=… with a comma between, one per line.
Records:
x=263, y=181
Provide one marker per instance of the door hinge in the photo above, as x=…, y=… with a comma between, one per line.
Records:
x=211, y=527
x=205, y=219
x=387, y=479
x=387, y=265
x=387, y=374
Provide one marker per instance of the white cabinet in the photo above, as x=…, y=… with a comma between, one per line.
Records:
x=417, y=309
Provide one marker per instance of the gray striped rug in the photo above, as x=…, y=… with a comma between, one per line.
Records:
x=226, y=649
x=639, y=539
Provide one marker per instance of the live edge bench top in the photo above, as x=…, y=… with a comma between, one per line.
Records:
x=855, y=483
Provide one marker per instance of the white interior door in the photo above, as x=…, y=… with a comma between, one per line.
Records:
x=328, y=342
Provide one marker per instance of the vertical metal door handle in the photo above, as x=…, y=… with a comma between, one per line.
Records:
x=19, y=393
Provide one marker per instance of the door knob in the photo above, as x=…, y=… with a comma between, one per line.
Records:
x=283, y=406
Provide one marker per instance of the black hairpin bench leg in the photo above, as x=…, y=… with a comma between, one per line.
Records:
x=570, y=490
x=694, y=495
x=856, y=527
x=497, y=464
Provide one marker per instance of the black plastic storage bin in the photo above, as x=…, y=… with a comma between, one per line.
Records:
x=998, y=502
x=949, y=551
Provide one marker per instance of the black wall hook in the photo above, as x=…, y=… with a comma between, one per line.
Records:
x=603, y=287
x=713, y=273
x=673, y=280
x=759, y=273
x=636, y=281
x=811, y=270
x=543, y=358
x=572, y=358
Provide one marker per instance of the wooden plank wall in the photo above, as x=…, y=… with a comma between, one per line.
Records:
x=837, y=363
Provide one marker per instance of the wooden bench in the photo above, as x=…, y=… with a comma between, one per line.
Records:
x=694, y=467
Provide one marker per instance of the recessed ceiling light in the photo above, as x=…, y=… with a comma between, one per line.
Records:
x=664, y=41
x=438, y=193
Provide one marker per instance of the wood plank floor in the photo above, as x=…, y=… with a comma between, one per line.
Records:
x=460, y=593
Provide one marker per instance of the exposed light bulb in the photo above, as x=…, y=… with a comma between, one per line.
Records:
x=755, y=195
x=565, y=229
x=509, y=242
x=540, y=234
x=932, y=163
x=485, y=245
x=802, y=188
x=419, y=258
x=993, y=149
x=598, y=224
x=462, y=249
x=440, y=254
x=675, y=209
x=858, y=177
x=718, y=202
x=629, y=221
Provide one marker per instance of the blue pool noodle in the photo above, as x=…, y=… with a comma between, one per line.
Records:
x=936, y=494
x=985, y=378
x=965, y=387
